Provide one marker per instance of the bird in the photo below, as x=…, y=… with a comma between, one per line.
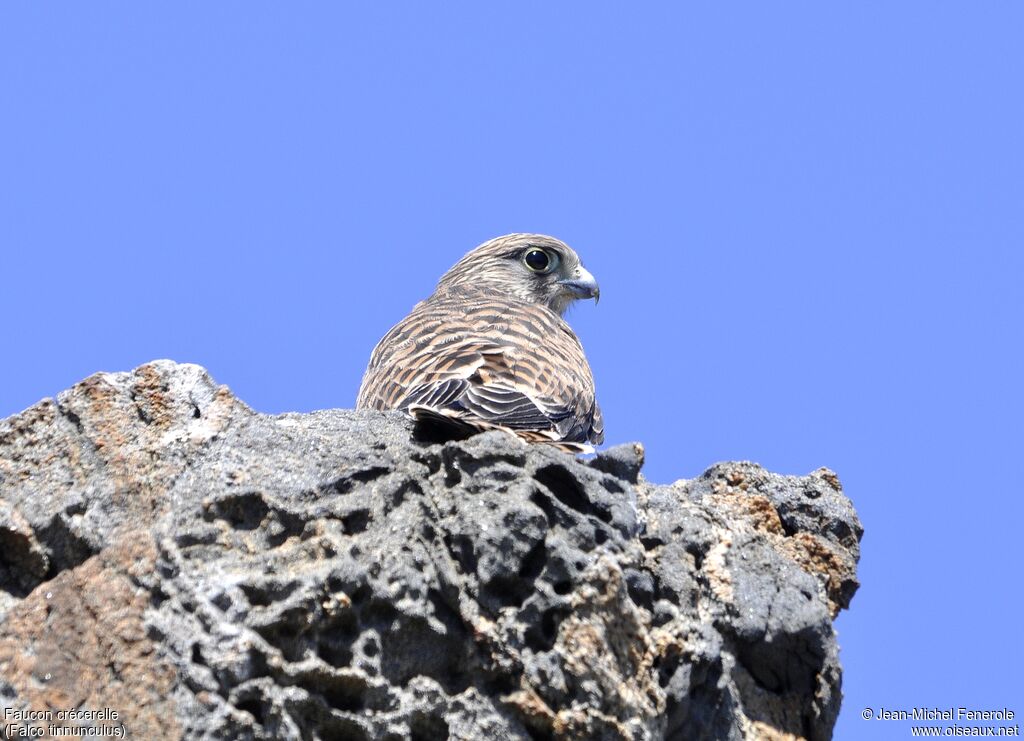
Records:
x=489, y=349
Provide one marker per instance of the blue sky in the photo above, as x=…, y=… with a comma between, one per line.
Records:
x=807, y=223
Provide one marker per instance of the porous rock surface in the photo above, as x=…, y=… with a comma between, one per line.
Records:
x=208, y=572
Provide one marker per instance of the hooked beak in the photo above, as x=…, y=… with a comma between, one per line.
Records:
x=582, y=284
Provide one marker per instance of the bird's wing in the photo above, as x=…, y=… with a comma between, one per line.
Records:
x=486, y=389
x=487, y=363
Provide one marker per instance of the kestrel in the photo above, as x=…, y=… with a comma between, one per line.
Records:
x=489, y=348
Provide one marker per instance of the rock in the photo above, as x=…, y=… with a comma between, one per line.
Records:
x=201, y=571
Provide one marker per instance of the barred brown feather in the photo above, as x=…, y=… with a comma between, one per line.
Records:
x=489, y=349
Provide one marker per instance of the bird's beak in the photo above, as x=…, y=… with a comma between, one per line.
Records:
x=582, y=284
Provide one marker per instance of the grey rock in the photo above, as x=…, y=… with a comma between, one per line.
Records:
x=213, y=573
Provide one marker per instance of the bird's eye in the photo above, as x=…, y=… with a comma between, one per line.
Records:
x=540, y=261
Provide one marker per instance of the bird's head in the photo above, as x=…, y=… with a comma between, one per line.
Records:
x=528, y=267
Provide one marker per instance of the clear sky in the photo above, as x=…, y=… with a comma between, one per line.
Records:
x=807, y=221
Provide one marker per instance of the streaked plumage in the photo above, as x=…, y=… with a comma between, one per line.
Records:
x=489, y=349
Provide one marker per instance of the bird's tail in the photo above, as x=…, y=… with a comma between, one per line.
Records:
x=441, y=425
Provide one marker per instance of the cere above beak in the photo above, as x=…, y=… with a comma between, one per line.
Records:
x=582, y=285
